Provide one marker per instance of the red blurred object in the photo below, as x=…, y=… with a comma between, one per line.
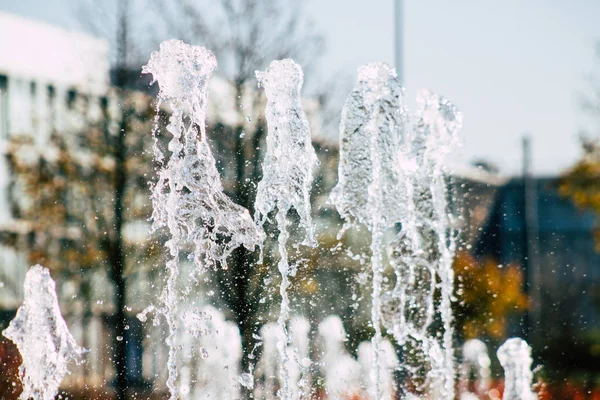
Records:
x=10, y=359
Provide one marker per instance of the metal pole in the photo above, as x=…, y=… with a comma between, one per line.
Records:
x=531, y=233
x=399, y=39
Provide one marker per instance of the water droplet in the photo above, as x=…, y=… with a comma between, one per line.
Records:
x=203, y=353
x=246, y=380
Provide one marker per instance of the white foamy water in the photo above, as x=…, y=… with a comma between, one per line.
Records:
x=476, y=361
x=515, y=357
x=42, y=337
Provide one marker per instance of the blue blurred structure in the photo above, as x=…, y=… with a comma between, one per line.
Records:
x=566, y=292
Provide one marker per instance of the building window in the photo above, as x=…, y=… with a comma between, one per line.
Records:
x=104, y=104
x=71, y=97
x=51, y=113
x=3, y=106
x=34, y=107
x=51, y=93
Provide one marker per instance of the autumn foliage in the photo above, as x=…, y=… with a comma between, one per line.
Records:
x=582, y=182
x=488, y=294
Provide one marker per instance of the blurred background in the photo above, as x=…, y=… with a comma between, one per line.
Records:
x=76, y=118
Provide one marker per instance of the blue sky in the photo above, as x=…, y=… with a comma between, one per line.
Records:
x=511, y=66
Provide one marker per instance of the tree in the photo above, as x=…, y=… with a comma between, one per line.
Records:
x=78, y=192
x=488, y=295
x=581, y=183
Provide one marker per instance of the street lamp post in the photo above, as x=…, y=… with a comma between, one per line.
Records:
x=399, y=36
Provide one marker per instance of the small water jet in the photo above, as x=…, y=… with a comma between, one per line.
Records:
x=515, y=357
x=297, y=358
x=300, y=357
x=287, y=179
x=475, y=361
x=268, y=365
x=220, y=350
x=340, y=371
x=388, y=365
x=42, y=337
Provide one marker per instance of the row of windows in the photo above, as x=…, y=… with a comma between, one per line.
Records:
x=3, y=106
x=70, y=100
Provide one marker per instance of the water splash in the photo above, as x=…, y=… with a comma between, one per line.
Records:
x=369, y=191
x=515, y=357
x=188, y=196
x=423, y=251
x=287, y=177
x=42, y=337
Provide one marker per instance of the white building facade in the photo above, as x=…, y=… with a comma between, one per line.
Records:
x=51, y=80
x=56, y=80
x=44, y=70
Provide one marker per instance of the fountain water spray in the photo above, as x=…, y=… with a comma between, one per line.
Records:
x=369, y=190
x=437, y=128
x=42, y=337
x=475, y=359
x=422, y=254
x=515, y=357
x=390, y=172
x=287, y=178
x=188, y=197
